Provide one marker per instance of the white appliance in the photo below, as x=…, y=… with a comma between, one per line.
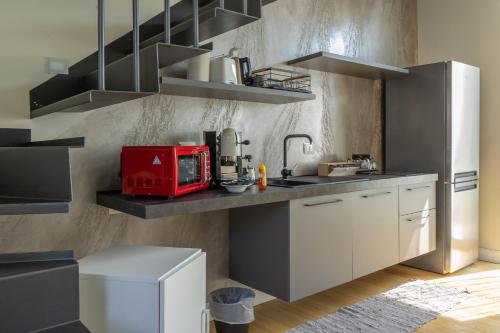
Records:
x=223, y=70
x=432, y=125
x=144, y=289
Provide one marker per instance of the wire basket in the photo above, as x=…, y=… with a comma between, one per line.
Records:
x=283, y=79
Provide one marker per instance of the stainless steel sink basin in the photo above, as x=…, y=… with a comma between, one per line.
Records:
x=289, y=183
x=312, y=180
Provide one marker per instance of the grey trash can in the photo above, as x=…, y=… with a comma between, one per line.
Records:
x=232, y=309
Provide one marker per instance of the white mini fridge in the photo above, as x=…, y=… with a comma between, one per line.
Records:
x=144, y=289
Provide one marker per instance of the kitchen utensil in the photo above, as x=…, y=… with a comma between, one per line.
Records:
x=223, y=70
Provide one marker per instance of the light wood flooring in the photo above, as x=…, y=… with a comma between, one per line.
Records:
x=481, y=313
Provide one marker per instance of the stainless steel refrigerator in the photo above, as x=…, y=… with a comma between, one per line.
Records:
x=432, y=125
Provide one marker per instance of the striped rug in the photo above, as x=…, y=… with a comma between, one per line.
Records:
x=399, y=310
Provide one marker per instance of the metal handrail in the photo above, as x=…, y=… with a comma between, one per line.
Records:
x=100, y=46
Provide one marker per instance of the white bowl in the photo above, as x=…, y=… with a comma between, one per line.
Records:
x=236, y=188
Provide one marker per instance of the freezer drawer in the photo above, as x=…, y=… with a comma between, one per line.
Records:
x=417, y=197
x=462, y=223
x=417, y=234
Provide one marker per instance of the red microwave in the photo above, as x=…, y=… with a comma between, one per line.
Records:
x=167, y=171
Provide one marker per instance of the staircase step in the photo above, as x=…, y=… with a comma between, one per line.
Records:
x=213, y=21
x=38, y=291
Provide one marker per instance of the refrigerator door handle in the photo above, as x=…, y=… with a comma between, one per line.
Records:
x=463, y=177
x=464, y=188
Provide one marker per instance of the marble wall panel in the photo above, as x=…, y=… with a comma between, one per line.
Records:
x=345, y=118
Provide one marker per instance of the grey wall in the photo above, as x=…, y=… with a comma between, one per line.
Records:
x=345, y=119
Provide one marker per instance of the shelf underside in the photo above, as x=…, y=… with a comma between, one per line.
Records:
x=333, y=63
x=88, y=100
x=192, y=88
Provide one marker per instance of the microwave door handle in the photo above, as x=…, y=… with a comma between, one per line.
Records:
x=205, y=167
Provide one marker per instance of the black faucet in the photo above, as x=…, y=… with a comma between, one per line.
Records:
x=285, y=172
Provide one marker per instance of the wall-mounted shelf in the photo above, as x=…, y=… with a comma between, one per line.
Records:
x=202, y=89
x=35, y=177
x=334, y=63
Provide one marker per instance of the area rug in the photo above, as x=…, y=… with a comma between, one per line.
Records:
x=402, y=309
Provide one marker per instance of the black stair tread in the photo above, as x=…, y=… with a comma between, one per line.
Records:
x=13, y=269
x=12, y=264
x=73, y=327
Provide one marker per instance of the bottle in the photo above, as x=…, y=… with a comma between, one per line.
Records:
x=262, y=177
x=251, y=173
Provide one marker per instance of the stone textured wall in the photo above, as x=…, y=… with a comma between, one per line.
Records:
x=345, y=118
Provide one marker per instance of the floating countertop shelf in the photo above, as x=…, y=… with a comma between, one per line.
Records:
x=192, y=88
x=220, y=199
x=334, y=63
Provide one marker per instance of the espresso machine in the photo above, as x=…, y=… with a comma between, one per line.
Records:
x=229, y=162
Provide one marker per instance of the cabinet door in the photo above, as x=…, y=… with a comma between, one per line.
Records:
x=320, y=244
x=182, y=299
x=376, y=230
x=417, y=234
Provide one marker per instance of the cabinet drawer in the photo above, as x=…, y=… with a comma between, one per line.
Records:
x=417, y=234
x=417, y=198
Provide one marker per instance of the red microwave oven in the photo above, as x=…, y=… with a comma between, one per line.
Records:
x=168, y=171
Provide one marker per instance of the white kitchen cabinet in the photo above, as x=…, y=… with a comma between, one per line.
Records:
x=320, y=244
x=296, y=248
x=416, y=198
x=376, y=230
x=144, y=289
x=417, y=234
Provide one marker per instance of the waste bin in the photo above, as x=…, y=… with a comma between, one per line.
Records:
x=232, y=309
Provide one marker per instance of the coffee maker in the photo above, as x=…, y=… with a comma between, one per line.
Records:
x=229, y=161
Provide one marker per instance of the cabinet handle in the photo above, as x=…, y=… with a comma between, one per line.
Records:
x=323, y=203
x=375, y=195
x=409, y=189
x=417, y=218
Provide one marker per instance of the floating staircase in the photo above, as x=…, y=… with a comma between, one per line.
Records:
x=128, y=68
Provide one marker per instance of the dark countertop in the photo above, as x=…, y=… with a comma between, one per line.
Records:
x=219, y=199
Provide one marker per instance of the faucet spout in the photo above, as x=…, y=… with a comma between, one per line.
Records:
x=285, y=172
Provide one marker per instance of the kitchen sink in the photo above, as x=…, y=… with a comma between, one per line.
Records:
x=289, y=183
x=313, y=180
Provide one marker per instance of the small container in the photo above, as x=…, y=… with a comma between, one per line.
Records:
x=251, y=173
x=262, y=177
x=232, y=309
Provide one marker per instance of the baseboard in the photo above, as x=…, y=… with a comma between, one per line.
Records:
x=489, y=255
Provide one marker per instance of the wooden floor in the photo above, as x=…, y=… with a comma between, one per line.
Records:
x=481, y=313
